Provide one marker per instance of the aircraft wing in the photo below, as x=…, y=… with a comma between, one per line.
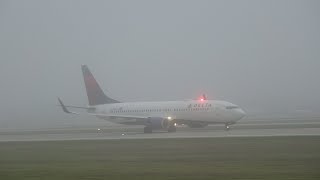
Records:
x=178, y=121
x=66, y=110
x=119, y=116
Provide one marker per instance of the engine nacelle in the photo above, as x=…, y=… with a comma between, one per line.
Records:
x=157, y=122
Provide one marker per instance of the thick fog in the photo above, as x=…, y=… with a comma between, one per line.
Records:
x=261, y=55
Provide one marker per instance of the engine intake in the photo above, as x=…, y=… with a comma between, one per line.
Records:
x=157, y=122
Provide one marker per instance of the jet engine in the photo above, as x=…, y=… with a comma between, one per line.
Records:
x=157, y=123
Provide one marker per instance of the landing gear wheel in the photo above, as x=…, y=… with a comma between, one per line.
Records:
x=172, y=128
x=147, y=129
x=227, y=127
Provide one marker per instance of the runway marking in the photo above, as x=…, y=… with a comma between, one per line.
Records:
x=136, y=135
x=256, y=129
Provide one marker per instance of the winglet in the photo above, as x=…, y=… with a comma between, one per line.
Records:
x=64, y=108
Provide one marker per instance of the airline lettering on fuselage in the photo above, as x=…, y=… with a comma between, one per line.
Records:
x=199, y=105
x=190, y=106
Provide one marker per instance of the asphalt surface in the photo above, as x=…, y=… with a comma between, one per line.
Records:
x=245, y=128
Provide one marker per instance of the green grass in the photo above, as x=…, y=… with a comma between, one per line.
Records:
x=205, y=158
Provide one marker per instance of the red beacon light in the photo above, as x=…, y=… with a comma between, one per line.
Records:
x=203, y=98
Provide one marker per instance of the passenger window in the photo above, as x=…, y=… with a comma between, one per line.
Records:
x=231, y=107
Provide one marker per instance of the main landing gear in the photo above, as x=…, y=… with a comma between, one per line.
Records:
x=171, y=128
x=197, y=125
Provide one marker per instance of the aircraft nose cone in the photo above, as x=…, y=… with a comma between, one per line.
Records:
x=241, y=113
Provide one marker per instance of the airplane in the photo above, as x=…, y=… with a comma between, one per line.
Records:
x=162, y=115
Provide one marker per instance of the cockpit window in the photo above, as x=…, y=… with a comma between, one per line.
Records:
x=231, y=107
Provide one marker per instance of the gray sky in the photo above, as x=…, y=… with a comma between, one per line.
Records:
x=261, y=55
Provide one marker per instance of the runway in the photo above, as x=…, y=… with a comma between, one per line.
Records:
x=246, y=128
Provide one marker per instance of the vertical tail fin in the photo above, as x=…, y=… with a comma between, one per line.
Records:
x=94, y=92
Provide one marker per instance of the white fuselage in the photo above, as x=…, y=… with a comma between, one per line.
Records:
x=208, y=111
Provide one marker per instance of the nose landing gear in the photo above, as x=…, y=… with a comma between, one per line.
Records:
x=227, y=127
